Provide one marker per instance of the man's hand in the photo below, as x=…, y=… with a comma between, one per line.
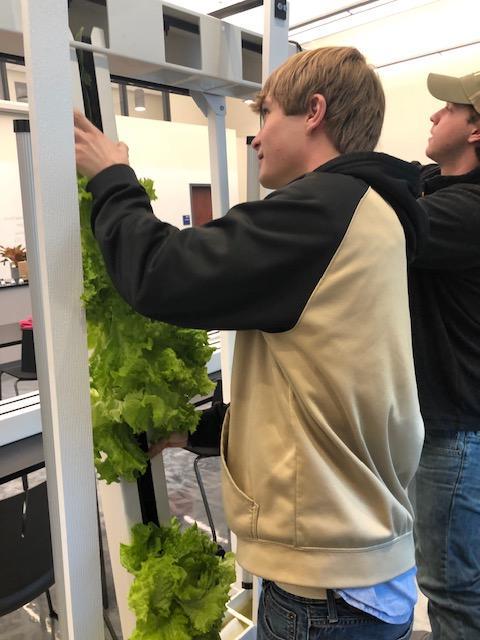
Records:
x=94, y=151
x=174, y=440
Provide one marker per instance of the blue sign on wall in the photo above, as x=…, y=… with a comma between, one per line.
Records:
x=186, y=220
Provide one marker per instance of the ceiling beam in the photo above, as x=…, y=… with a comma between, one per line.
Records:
x=238, y=7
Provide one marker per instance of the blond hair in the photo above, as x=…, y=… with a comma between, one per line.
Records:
x=351, y=88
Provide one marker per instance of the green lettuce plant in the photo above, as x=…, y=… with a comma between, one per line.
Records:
x=143, y=373
x=181, y=585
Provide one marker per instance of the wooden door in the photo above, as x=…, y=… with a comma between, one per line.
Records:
x=201, y=203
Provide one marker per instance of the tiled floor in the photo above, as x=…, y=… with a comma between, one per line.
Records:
x=32, y=623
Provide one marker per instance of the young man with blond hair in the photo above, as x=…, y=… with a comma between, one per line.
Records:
x=445, y=304
x=324, y=431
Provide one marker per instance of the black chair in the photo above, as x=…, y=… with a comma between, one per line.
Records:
x=25, y=549
x=202, y=453
x=207, y=449
x=26, y=559
x=24, y=369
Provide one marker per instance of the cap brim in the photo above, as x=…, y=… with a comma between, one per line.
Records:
x=447, y=89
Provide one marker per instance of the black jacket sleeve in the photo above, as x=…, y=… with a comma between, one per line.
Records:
x=255, y=268
x=454, y=228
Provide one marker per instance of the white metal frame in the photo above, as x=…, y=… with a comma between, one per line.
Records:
x=49, y=194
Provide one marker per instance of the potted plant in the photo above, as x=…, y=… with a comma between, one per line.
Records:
x=13, y=255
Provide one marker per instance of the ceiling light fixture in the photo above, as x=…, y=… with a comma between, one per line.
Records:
x=140, y=100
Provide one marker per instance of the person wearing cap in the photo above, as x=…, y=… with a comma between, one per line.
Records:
x=445, y=309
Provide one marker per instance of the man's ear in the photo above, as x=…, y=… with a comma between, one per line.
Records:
x=317, y=109
x=474, y=136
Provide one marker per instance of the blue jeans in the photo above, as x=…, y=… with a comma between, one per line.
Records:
x=283, y=616
x=447, y=533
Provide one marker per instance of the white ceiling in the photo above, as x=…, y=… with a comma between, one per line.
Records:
x=300, y=10
x=308, y=10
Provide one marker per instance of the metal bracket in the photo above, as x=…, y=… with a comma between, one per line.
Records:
x=208, y=102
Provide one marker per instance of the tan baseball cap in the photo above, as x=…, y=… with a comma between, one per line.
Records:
x=464, y=90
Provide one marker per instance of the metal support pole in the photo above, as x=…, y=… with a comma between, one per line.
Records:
x=5, y=95
x=167, y=111
x=213, y=107
x=49, y=194
x=122, y=92
x=275, y=36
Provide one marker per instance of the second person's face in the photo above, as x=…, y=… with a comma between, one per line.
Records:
x=449, y=133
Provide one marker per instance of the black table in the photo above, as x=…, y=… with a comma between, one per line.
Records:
x=10, y=334
x=19, y=458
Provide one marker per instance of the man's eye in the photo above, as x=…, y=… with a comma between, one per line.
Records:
x=263, y=115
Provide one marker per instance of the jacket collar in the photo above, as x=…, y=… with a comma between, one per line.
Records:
x=433, y=180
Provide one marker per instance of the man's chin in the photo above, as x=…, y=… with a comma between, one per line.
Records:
x=266, y=184
x=430, y=153
x=269, y=182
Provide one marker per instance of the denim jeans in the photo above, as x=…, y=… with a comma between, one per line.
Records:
x=283, y=616
x=447, y=533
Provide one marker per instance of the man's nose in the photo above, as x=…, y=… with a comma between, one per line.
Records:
x=256, y=142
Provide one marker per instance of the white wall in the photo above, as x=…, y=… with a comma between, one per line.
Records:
x=174, y=155
x=246, y=123
x=239, y=117
x=439, y=25
x=11, y=217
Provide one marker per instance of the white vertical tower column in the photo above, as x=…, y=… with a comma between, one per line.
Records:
x=49, y=193
x=213, y=107
x=120, y=500
x=275, y=36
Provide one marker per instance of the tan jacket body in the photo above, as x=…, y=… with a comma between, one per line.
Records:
x=325, y=433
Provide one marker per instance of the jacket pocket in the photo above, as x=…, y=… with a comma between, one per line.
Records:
x=240, y=510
